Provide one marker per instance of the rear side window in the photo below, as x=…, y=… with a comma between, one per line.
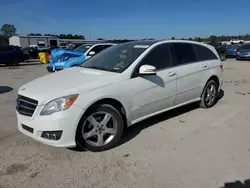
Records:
x=158, y=57
x=202, y=53
x=182, y=53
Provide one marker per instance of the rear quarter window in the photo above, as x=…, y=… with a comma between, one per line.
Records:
x=202, y=53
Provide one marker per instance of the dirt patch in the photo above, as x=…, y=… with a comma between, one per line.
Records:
x=15, y=168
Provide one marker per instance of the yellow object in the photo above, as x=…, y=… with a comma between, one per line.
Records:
x=44, y=57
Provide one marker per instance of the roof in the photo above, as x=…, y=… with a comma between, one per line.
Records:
x=33, y=36
x=144, y=42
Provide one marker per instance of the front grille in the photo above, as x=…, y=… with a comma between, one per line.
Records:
x=25, y=105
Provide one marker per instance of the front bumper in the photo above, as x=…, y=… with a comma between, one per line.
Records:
x=231, y=54
x=50, y=69
x=65, y=121
x=242, y=57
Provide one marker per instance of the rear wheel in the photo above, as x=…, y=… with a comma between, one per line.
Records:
x=15, y=62
x=209, y=95
x=100, y=129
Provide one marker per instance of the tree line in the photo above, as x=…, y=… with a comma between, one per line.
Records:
x=8, y=30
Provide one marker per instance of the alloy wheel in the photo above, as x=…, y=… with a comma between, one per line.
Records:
x=210, y=94
x=99, y=128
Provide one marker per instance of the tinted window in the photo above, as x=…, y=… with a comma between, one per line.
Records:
x=158, y=57
x=6, y=48
x=182, y=53
x=202, y=53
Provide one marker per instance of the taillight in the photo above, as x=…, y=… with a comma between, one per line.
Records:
x=221, y=67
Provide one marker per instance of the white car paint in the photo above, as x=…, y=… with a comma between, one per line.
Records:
x=141, y=97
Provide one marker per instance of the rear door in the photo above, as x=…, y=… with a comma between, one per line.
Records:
x=190, y=72
x=205, y=60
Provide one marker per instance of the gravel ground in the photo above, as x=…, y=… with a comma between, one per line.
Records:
x=185, y=148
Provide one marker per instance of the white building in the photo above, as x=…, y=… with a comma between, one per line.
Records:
x=41, y=41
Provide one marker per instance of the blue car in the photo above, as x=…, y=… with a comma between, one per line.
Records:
x=11, y=55
x=232, y=50
x=243, y=52
x=66, y=58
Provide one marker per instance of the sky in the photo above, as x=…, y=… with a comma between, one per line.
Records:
x=130, y=19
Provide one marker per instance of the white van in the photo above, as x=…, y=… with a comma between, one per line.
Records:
x=91, y=105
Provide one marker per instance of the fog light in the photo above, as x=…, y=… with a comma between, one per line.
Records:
x=52, y=135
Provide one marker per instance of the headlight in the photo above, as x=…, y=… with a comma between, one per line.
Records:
x=59, y=104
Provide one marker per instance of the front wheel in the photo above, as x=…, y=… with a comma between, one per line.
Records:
x=209, y=95
x=100, y=129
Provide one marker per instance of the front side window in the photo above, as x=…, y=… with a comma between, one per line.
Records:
x=116, y=58
x=159, y=57
x=202, y=53
x=182, y=53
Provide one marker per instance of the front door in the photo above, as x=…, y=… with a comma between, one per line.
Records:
x=153, y=93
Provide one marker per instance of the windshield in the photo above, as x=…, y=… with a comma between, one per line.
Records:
x=245, y=47
x=233, y=46
x=116, y=58
x=83, y=47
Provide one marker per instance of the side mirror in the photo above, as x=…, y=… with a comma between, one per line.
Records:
x=147, y=70
x=91, y=53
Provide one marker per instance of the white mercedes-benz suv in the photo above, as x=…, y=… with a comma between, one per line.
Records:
x=90, y=106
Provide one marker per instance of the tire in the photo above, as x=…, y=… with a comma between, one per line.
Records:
x=14, y=62
x=88, y=135
x=204, y=103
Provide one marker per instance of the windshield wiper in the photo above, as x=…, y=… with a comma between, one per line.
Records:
x=98, y=68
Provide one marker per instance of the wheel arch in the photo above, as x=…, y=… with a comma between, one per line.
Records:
x=213, y=77
x=110, y=101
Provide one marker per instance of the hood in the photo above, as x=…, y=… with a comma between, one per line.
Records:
x=67, y=82
x=244, y=50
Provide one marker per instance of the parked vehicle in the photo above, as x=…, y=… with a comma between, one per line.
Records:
x=232, y=50
x=236, y=41
x=90, y=106
x=243, y=52
x=221, y=49
x=66, y=58
x=11, y=55
x=32, y=51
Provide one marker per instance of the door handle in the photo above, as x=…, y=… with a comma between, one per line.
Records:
x=171, y=73
x=204, y=66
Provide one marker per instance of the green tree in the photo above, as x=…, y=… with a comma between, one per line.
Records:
x=8, y=30
x=34, y=34
x=173, y=38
